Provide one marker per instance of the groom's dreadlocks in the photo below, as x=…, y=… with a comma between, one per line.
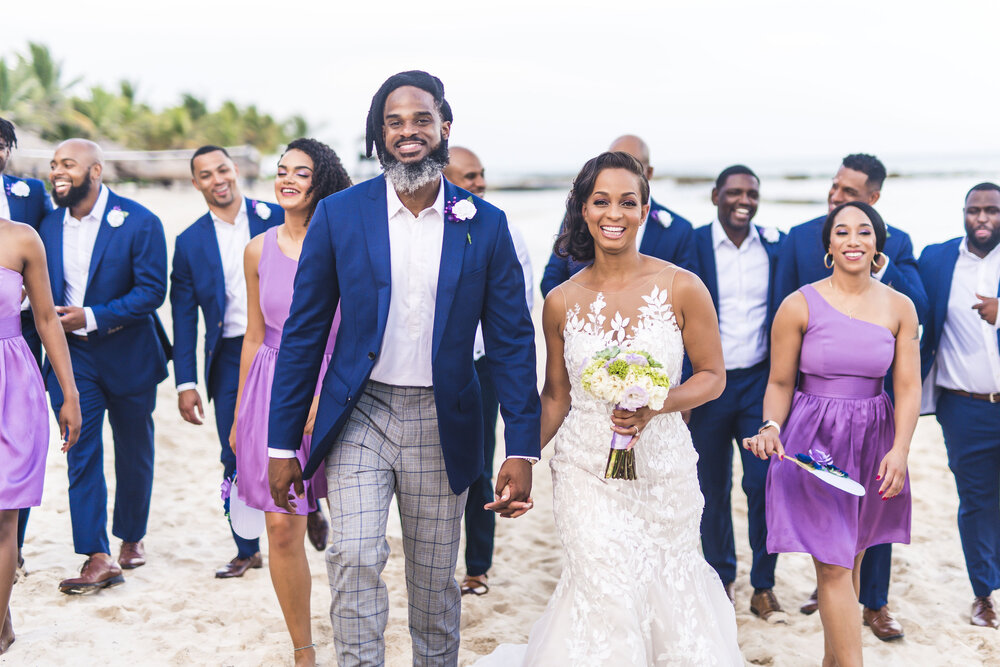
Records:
x=415, y=78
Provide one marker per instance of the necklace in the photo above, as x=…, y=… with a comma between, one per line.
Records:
x=857, y=302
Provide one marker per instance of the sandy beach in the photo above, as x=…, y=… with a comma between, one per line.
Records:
x=173, y=611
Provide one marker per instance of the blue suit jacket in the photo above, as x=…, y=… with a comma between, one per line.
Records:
x=937, y=268
x=126, y=284
x=345, y=258
x=32, y=208
x=197, y=281
x=668, y=237
x=801, y=263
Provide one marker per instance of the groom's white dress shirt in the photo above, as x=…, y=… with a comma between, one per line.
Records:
x=79, y=237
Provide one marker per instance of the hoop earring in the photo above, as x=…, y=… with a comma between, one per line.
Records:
x=830, y=265
x=879, y=253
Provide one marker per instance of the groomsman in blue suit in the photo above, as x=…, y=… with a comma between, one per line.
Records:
x=22, y=200
x=416, y=264
x=960, y=359
x=736, y=260
x=107, y=261
x=859, y=178
x=666, y=235
x=208, y=274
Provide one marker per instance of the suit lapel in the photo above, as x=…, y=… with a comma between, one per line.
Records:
x=104, y=233
x=52, y=237
x=706, y=259
x=943, y=284
x=375, y=224
x=209, y=243
x=456, y=235
x=257, y=226
x=18, y=205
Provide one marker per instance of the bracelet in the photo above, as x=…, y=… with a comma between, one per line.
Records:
x=768, y=423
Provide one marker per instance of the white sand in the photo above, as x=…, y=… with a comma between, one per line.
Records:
x=173, y=611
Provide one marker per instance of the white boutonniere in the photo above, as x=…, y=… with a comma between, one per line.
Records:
x=770, y=234
x=262, y=210
x=116, y=217
x=459, y=210
x=663, y=217
x=20, y=189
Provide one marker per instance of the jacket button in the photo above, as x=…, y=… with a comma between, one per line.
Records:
x=371, y=355
x=220, y=325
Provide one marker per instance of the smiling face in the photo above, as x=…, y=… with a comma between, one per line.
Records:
x=614, y=210
x=850, y=185
x=215, y=177
x=466, y=171
x=74, y=172
x=982, y=221
x=294, y=180
x=411, y=124
x=852, y=241
x=736, y=203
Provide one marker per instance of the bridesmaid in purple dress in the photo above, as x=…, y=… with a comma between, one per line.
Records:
x=24, y=419
x=832, y=343
x=308, y=171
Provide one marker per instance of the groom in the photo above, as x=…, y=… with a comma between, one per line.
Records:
x=415, y=263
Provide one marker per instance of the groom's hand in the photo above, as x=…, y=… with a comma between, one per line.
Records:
x=282, y=475
x=513, y=489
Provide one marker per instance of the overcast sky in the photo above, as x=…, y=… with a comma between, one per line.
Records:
x=539, y=86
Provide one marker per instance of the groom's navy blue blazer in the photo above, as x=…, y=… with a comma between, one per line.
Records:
x=31, y=208
x=197, y=281
x=345, y=259
x=126, y=284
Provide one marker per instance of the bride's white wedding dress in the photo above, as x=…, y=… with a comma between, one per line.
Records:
x=635, y=588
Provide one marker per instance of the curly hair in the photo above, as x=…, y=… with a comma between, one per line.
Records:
x=7, y=134
x=574, y=238
x=329, y=175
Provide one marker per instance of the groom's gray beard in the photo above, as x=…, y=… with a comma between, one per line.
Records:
x=408, y=178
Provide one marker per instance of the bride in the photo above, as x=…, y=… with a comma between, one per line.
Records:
x=635, y=589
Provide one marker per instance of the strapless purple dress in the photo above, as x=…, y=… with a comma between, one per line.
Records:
x=277, y=275
x=840, y=411
x=24, y=418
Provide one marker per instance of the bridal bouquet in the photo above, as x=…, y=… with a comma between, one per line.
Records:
x=630, y=379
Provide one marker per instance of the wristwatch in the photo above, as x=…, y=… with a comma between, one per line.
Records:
x=767, y=424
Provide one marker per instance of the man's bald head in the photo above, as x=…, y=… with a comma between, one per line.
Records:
x=75, y=173
x=83, y=150
x=636, y=147
x=465, y=170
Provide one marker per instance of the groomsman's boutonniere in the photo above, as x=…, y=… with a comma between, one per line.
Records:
x=460, y=210
x=19, y=189
x=116, y=216
x=771, y=234
x=262, y=210
x=663, y=217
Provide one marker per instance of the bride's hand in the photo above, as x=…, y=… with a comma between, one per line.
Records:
x=629, y=422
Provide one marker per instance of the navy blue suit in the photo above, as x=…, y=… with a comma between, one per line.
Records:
x=30, y=210
x=801, y=263
x=116, y=369
x=667, y=236
x=480, y=279
x=735, y=415
x=971, y=431
x=197, y=281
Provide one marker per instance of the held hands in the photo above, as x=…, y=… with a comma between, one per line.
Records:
x=513, y=489
x=71, y=318
x=69, y=422
x=892, y=472
x=987, y=308
x=629, y=422
x=284, y=475
x=765, y=444
x=189, y=404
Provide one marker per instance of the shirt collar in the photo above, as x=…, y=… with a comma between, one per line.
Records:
x=241, y=216
x=720, y=238
x=393, y=203
x=963, y=251
x=97, y=213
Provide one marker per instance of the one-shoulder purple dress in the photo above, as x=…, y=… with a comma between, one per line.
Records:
x=277, y=275
x=24, y=418
x=841, y=411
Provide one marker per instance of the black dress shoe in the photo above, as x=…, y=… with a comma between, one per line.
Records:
x=238, y=566
x=812, y=604
x=318, y=529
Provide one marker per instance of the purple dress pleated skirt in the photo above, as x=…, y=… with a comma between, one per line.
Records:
x=277, y=275
x=839, y=412
x=24, y=418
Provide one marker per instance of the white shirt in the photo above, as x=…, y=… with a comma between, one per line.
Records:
x=4, y=206
x=415, y=244
x=233, y=239
x=79, y=237
x=743, y=275
x=521, y=248
x=968, y=358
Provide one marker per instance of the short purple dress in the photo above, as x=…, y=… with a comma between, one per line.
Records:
x=277, y=275
x=24, y=418
x=839, y=410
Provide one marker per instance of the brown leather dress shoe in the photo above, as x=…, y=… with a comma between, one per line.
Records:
x=132, y=555
x=812, y=604
x=98, y=572
x=317, y=529
x=883, y=625
x=238, y=566
x=764, y=603
x=984, y=614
